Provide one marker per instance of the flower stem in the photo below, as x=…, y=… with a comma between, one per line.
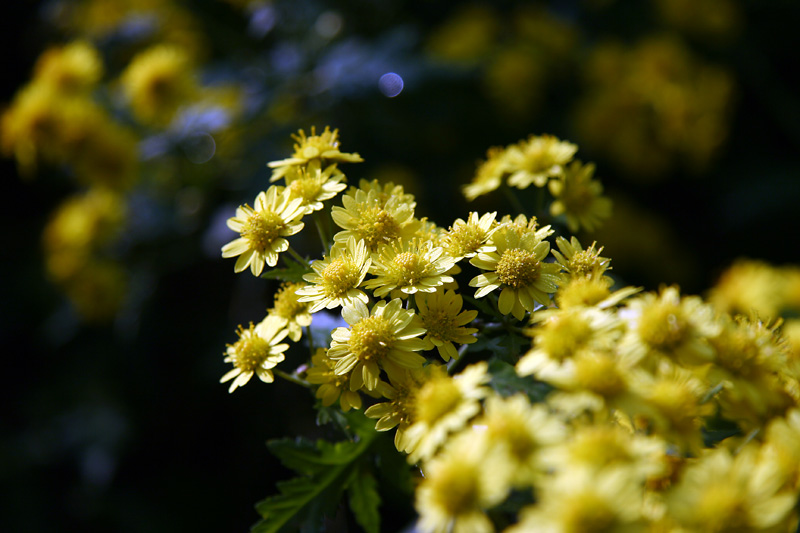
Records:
x=291, y=377
x=300, y=259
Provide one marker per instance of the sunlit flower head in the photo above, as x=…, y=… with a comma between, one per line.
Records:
x=408, y=266
x=256, y=352
x=335, y=279
x=459, y=485
x=444, y=404
x=263, y=229
x=322, y=148
x=517, y=267
x=314, y=186
x=470, y=237
x=444, y=321
x=384, y=191
x=535, y=161
x=398, y=410
x=157, y=82
x=591, y=292
x=385, y=338
x=70, y=69
x=579, y=198
x=291, y=310
x=332, y=386
x=367, y=217
x=489, y=175
x=668, y=325
x=580, y=263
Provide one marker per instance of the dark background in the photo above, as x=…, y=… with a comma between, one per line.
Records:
x=123, y=426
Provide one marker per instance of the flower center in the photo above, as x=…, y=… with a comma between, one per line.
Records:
x=663, y=326
x=563, y=335
x=339, y=277
x=457, y=489
x=466, y=239
x=249, y=352
x=437, y=398
x=286, y=304
x=306, y=188
x=518, y=268
x=371, y=338
x=377, y=226
x=439, y=324
x=598, y=374
x=585, y=264
x=408, y=268
x=262, y=228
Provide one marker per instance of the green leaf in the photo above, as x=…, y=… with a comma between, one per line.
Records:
x=293, y=271
x=506, y=382
x=326, y=468
x=364, y=499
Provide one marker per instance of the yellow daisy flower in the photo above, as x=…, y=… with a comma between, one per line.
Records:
x=157, y=82
x=384, y=191
x=459, y=485
x=489, y=175
x=73, y=68
x=407, y=267
x=398, y=411
x=294, y=313
x=591, y=292
x=470, y=237
x=579, y=198
x=444, y=321
x=314, y=186
x=335, y=279
x=256, y=352
x=385, y=338
x=367, y=217
x=517, y=267
x=537, y=160
x=580, y=263
x=263, y=229
x=444, y=404
x=322, y=148
x=332, y=386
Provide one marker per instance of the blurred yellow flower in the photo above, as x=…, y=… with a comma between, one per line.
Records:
x=332, y=386
x=579, y=198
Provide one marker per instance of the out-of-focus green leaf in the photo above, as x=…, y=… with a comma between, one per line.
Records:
x=364, y=499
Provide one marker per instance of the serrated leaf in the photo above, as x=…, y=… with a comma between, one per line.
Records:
x=506, y=382
x=364, y=499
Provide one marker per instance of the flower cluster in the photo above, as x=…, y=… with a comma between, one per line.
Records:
x=547, y=399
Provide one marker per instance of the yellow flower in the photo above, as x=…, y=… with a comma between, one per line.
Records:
x=579, y=198
x=467, y=239
x=332, y=386
x=335, y=279
x=287, y=307
x=256, y=352
x=580, y=263
x=750, y=285
x=407, y=267
x=444, y=321
x=367, y=216
x=537, y=160
x=444, y=404
x=70, y=69
x=459, y=485
x=314, y=186
x=668, y=325
x=384, y=338
x=489, y=175
x=591, y=292
x=384, y=191
x=322, y=149
x=157, y=82
x=718, y=492
x=398, y=411
x=276, y=215
x=518, y=268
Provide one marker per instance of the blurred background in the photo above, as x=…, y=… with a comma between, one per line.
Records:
x=131, y=130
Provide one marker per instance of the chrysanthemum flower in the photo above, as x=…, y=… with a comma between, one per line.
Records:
x=580, y=263
x=263, y=229
x=718, y=493
x=444, y=404
x=669, y=325
x=591, y=292
x=579, y=197
x=398, y=410
x=517, y=267
x=256, y=352
x=294, y=313
x=407, y=267
x=314, y=186
x=444, y=321
x=467, y=239
x=384, y=191
x=367, y=217
x=323, y=148
x=537, y=160
x=335, y=279
x=70, y=69
x=384, y=338
x=489, y=175
x=332, y=386
x=459, y=485
x=157, y=82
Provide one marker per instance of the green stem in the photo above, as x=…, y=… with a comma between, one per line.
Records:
x=513, y=199
x=323, y=235
x=310, y=340
x=291, y=377
x=300, y=259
